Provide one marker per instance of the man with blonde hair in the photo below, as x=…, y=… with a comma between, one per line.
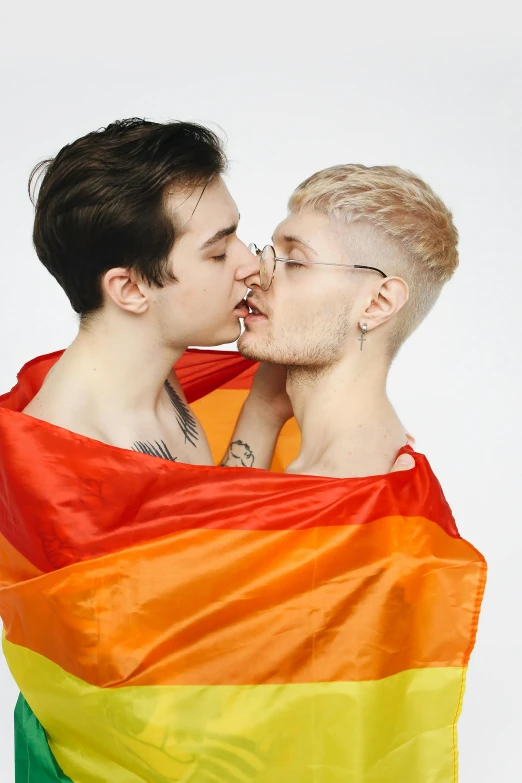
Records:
x=355, y=267
x=358, y=264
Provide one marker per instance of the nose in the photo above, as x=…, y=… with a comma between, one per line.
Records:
x=248, y=268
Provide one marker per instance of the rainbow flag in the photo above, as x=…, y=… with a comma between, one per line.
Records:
x=166, y=622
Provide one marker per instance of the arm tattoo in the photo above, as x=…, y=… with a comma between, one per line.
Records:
x=158, y=450
x=185, y=419
x=239, y=454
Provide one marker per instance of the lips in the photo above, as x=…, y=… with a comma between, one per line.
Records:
x=241, y=309
x=255, y=308
x=256, y=314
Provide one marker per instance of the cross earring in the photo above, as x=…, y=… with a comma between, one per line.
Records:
x=362, y=338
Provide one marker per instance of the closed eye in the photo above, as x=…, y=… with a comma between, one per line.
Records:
x=223, y=257
x=293, y=264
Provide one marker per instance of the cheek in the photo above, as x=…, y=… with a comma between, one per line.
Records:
x=181, y=305
x=314, y=311
x=328, y=300
x=203, y=291
x=300, y=303
x=216, y=285
x=209, y=275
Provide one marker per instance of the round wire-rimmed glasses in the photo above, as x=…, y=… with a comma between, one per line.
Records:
x=268, y=260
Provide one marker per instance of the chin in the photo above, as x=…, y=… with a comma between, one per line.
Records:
x=262, y=350
x=225, y=336
x=252, y=348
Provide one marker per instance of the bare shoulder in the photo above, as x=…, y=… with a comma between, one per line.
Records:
x=47, y=406
x=363, y=453
x=36, y=408
x=55, y=411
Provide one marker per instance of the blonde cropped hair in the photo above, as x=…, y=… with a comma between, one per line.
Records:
x=411, y=235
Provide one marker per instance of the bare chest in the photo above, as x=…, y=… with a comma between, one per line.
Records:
x=172, y=433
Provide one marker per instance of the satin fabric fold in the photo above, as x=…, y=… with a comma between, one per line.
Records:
x=398, y=728
x=340, y=601
x=188, y=623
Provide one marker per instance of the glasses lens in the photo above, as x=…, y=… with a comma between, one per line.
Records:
x=267, y=267
x=254, y=249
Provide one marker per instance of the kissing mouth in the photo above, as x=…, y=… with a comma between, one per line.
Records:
x=254, y=308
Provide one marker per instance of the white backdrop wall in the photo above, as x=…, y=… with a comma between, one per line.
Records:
x=437, y=92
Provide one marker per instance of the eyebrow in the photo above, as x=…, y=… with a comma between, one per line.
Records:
x=221, y=234
x=291, y=239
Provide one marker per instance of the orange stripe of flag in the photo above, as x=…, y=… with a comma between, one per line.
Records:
x=14, y=567
x=241, y=606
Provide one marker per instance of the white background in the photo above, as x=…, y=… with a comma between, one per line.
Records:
x=434, y=88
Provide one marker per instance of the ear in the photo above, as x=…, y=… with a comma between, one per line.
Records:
x=388, y=299
x=126, y=290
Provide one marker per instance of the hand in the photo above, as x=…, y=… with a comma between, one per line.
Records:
x=269, y=390
x=403, y=462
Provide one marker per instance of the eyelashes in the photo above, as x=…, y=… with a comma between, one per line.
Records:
x=289, y=264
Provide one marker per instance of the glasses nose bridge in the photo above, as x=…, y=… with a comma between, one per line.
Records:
x=267, y=264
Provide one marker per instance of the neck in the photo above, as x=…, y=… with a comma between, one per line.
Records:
x=120, y=360
x=346, y=420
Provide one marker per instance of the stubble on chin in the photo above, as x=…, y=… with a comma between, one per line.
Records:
x=248, y=348
x=311, y=347
x=265, y=349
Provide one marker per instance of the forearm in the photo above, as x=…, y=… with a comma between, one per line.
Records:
x=255, y=436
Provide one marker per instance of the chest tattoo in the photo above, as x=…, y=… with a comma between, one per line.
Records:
x=157, y=449
x=185, y=419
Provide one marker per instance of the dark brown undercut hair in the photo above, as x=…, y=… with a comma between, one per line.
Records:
x=101, y=202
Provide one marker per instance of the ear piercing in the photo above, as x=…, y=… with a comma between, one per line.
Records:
x=362, y=338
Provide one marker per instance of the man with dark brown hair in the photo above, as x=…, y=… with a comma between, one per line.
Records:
x=137, y=225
